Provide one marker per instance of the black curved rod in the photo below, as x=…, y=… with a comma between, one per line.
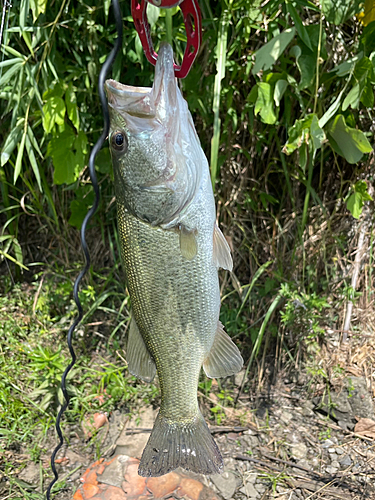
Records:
x=95, y=150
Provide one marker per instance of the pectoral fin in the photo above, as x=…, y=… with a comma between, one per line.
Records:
x=221, y=251
x=188, y=243
x=139, y=360
x=224, y=359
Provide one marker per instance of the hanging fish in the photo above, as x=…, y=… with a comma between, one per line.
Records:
x=172, y=249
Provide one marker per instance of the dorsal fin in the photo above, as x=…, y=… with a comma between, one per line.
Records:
x=221, y=251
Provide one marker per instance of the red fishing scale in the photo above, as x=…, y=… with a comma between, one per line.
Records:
x=193, y=26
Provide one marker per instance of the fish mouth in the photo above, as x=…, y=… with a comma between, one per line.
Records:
x=147, y=102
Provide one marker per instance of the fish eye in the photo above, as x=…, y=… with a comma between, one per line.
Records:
x=119, y=141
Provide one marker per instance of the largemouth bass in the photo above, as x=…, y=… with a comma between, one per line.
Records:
x=172, y=249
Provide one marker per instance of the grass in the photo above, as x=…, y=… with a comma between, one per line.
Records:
x=34, y=319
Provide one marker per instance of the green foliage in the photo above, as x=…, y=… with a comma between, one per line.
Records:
x=282, y=96
x=302, y=315
x=357, y=198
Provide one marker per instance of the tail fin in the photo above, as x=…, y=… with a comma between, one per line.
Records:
x=180, y=444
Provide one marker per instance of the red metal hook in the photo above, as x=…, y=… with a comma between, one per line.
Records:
x=193, y=25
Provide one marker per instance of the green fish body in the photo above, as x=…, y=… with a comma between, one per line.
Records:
x=171, y=249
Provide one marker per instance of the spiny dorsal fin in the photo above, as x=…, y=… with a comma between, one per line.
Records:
x=221, y=251
x=224, y=359
x=139, y=360
x=188, y=243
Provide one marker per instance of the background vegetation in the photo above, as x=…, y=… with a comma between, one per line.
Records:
x=282, y=96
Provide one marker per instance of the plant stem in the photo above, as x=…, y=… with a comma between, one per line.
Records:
x=318, y=60
x=169, y=25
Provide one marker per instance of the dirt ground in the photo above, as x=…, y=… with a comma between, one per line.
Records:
x=293, y=440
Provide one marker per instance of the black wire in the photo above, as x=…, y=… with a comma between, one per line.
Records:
x=95, y=150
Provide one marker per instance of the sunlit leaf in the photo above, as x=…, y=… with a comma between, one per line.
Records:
x=68, y=153
x=71, y=105
x=348, y=142
x=267, y=55
x=338, y=11
x=53, y=112
x=17, y=167
x=38, y=7
x=264, y=103
x=10, y=143
x=357, y=198
x=368, y=15
x=280, y=87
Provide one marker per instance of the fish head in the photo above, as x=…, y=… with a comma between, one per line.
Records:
x=155, y=150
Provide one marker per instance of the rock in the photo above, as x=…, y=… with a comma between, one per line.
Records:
x=249, y=491
x=331, y=470
x=238, y=378
x=133, y=444
x=75, y=459
x=226, y=483
x=251, y=478
x=353, y=401
x=360, y=398
x=260, y=488
x=331, y=450
x=339, y=451
x=298, y=451
x=30, y=474
x=286, y=417
x=345, y=461
x=327, y=443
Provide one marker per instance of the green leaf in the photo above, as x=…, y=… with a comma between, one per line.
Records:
x=357, y=198
x=264, y=103
x=8, y=74
x=68, y=153
x=53, y=112
x=71, y=105
x=153, y=14
x=338, y=11
x=306, y=57
x=280, y=87
x=267, y=55
x=367, y=39
x=38, y=7
x=301, y=30
x=63, y=158
x=34, y=165
x=346, y=67
x=10, y=143
x=317, y=133
x=17, y=167
x=352, y=99
x=103, y=162
x=24, y=10
x=348, y=142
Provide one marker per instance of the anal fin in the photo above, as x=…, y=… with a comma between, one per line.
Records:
x=139, y=360
x=224, y=358
x=221, y=251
